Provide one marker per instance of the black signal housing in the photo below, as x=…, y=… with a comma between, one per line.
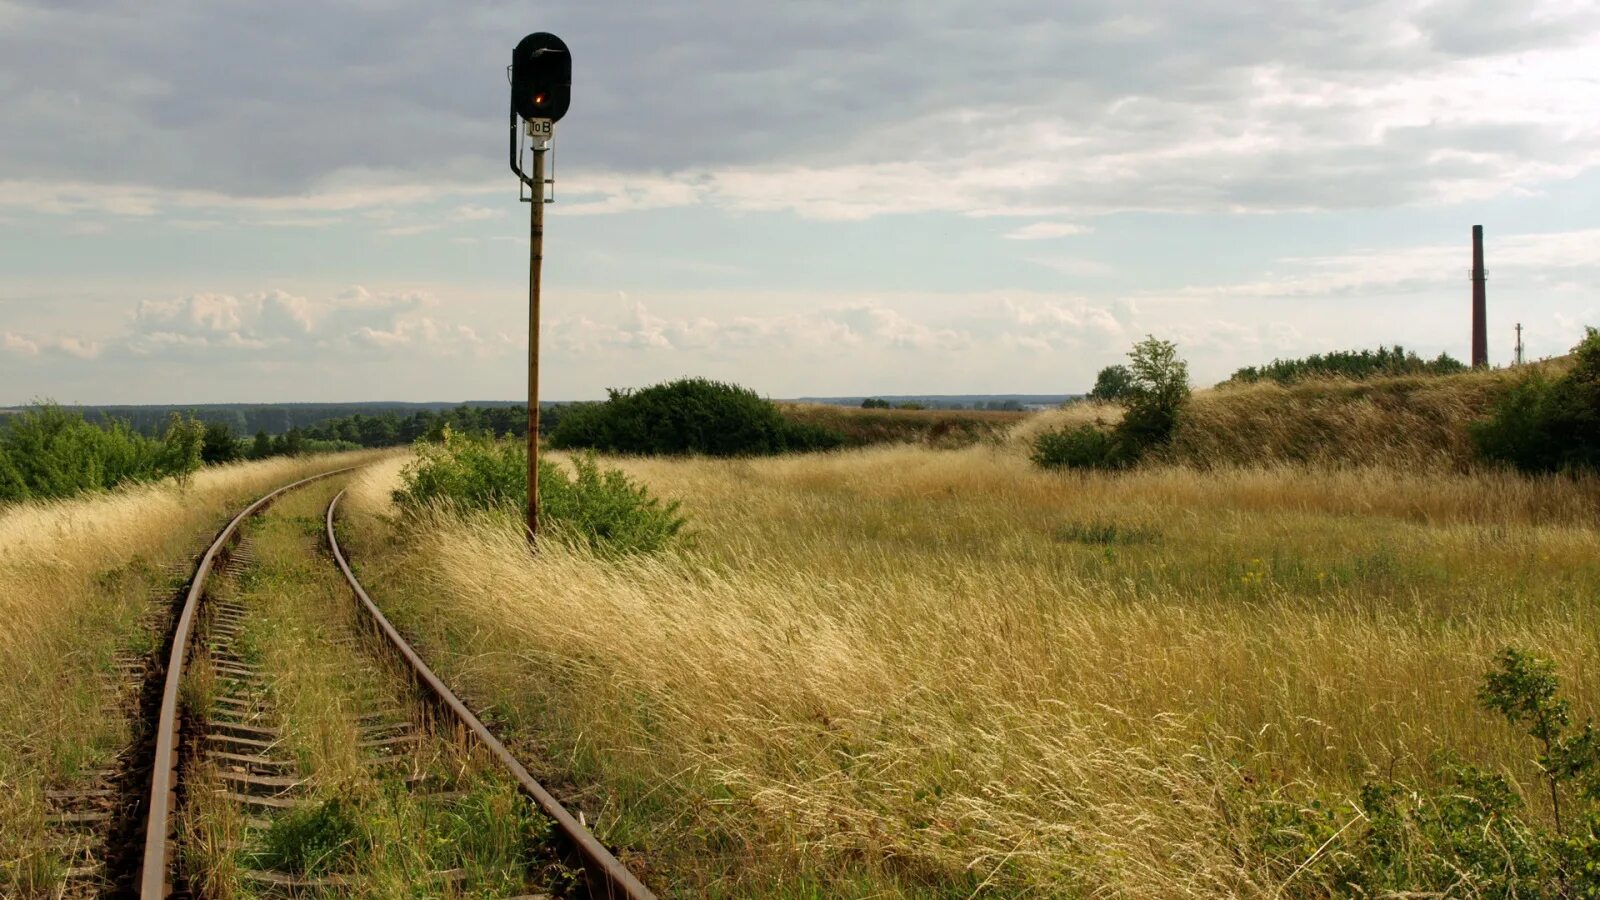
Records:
x=541, y=77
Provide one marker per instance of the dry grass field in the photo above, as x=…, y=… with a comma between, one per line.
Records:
x=909, y=672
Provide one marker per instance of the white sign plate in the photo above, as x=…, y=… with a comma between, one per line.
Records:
x=540, y=131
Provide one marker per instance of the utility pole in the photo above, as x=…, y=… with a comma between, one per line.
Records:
x=1480, y=315
x=535, y=265
x=541, y=90
x=1519, y=344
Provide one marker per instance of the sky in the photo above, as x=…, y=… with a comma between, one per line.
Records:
x=219, y=201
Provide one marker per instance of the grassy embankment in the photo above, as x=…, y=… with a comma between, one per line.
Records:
x=77, y=582
x=1411, y=422
x=933, y=427
x=904, y=671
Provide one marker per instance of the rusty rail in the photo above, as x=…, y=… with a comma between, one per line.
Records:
x=607, y=877
x=154, y=883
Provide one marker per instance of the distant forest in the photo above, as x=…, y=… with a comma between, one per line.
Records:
x=255, y=431
x=274, y=419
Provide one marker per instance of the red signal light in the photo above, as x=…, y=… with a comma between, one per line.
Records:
x=539, y=99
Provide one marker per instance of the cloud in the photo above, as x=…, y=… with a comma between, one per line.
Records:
x=16, y=343
x=832, y=110
x=1073, y=265
x=26, y=346
x=286, y=326
x=1542, y=259
x=1042, y=231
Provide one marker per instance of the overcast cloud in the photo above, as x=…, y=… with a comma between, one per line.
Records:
x=809, y=197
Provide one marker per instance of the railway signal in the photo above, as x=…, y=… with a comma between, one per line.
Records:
x=541, y=91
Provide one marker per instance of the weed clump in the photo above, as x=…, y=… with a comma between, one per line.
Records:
x=690, y=415
x=319, y=839
x=1103, y=533
x=599, y=508
x=1465, y=834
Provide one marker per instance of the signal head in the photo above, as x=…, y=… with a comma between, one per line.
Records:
x=541, y=77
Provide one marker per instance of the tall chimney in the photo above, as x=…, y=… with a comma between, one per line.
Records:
x=1480, y=329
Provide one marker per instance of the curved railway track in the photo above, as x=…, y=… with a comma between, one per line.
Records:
x=234, y=730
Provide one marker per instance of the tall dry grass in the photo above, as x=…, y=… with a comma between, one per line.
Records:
x=78, y=582
x=901, y=671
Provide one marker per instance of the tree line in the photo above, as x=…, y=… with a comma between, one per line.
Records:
x=223, y=444
x=1353, y=364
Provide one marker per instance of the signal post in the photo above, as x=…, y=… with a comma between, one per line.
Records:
x=541, y=90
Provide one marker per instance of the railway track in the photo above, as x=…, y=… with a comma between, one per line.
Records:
x=221, y=751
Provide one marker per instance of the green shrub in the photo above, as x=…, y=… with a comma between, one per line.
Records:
x=317, y=839
x=1083, y=447
x=1153, y=398
x=1544, y=425
x=50, y=452
x=690, y=415
x=600, y=508
x=1467, y=832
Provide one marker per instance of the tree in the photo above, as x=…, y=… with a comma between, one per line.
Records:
x=180, y=452
x=12, y=484
x=1156, y=394
x=1112, y=384
x=1153, y=400
x=262, y=448
x=218, y=445
x=874, y=403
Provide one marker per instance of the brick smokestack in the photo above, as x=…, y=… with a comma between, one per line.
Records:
x=1480, y=302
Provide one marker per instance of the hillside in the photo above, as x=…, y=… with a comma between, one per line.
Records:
x=1414, y=421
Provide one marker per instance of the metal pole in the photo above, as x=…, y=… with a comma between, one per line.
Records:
x=535, y=262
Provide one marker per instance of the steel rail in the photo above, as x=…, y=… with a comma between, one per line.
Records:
x=154, y=872
x=608, y=877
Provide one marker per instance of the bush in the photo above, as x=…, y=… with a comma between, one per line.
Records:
x=1544, y=425
x=1083, y=447
x=49, y=452
x=1152, y=399
x=691, y=415
x=599, y=508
